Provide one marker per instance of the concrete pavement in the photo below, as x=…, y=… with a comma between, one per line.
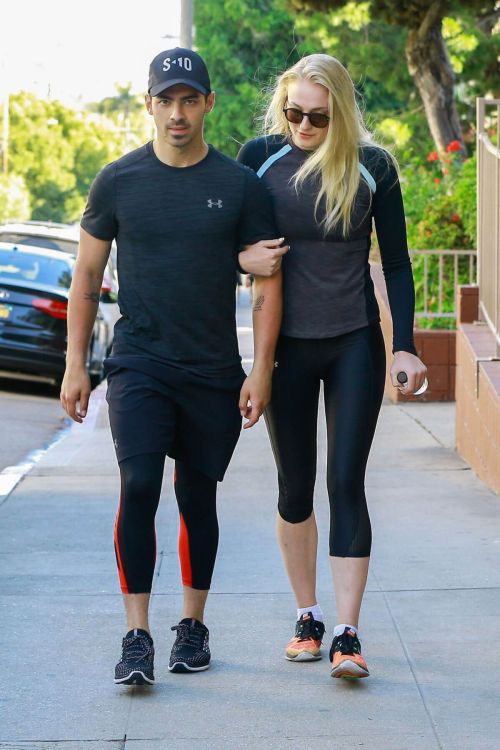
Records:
x=430, y=622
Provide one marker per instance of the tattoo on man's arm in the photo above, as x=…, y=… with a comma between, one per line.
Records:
x=259, y=302
x=92, y=296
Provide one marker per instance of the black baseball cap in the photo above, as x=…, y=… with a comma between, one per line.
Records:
x=178, y=65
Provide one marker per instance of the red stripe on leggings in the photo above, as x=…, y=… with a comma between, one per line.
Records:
x=184, y=556
x=121, y=571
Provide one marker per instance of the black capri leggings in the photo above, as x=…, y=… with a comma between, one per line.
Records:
x=135, y=538
x=352, y=368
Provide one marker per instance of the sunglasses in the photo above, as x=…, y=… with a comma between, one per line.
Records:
x=317, y=119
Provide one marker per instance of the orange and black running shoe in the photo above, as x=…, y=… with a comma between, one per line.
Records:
x=345, y=656
x=306, y=643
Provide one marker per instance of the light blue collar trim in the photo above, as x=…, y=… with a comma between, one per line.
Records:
x=264, y=167
x=371, y=182
x=286, y=149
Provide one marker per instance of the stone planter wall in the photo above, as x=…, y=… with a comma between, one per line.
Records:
x=477, y=392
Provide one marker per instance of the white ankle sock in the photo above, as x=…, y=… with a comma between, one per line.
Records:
x=339, y=629
x=315, y=610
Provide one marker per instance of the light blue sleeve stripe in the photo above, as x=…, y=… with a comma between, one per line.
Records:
x=268, y=162
x=371, y=182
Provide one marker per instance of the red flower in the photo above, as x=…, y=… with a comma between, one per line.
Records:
x=433, y=156
x=453, y=146
x=455, y=217
x=437, y=179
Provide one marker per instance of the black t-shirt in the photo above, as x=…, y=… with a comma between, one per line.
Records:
x=178, y=232
x=327, y=287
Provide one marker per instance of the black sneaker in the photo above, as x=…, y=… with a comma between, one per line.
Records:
x=306, y=643
x=136, y=667
x=345, y=656
x=190, y=652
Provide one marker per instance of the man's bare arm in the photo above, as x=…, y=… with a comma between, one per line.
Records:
x=267, y=312
x=82, y=310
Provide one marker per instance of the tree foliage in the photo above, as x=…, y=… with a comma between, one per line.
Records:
x=57, y=151
x=439, y=38
x=245, y=43
x=368, y=48
x=127, y=113
x=14, y=198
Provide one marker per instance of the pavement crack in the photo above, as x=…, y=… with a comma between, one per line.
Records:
x=422, y=425
x=413, y=671
x=161, y=556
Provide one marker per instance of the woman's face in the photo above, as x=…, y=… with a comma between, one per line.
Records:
x=308, y=97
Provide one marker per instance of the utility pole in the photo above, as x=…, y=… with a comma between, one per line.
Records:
x=5, y=133
x=187, y=23
x=5, y=128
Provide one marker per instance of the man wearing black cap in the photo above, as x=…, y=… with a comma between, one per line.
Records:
x=179, y=211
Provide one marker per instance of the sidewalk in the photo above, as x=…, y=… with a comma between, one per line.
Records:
x=430, y=624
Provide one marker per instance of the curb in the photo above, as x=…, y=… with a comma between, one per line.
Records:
x=11, y=476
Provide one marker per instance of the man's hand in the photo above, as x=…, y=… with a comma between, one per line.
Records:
x=414, y=368
x=75, y=389
x=255, y=395
x=264, y=257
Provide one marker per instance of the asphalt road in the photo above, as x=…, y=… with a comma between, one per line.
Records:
x=30, y=416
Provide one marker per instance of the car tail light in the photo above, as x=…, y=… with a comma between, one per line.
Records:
x=54, y=308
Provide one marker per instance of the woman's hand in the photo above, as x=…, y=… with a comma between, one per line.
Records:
x=263, y=258
x=414, y=368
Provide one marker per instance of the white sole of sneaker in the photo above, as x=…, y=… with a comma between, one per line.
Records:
x=303, y=656
x=137, y=677
x=349, y=670
x=179, y=666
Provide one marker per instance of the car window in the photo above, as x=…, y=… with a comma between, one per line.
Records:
x=52, y=243
x=19, y=266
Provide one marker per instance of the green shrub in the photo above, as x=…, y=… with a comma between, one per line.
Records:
x=440, y=205
x=440, y=202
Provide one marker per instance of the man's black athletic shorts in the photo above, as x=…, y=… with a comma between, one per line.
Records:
x=157, y=408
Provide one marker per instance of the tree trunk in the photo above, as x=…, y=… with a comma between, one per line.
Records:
x=430, y=67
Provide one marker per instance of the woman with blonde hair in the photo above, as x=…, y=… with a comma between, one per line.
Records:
x=329, y=180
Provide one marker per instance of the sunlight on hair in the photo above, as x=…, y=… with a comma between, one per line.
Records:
x=336, y=160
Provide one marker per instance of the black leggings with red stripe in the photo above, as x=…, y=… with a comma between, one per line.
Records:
x=135, y=538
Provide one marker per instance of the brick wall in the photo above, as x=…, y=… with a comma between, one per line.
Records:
x=477, y=392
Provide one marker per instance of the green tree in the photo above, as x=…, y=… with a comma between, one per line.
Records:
x=245, y=43
x=14, y=198
x=127, y=113
x=57, y=151
x=427, y=55
x=368, y=48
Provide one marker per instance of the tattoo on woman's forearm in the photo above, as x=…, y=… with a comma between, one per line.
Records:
x=92, y=296
x=258, y=303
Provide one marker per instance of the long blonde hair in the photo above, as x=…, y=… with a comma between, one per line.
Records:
x=336, y=160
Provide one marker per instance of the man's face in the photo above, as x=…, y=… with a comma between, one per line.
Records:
x=178, y=113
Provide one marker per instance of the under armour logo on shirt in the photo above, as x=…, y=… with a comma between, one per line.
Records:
x=211, y=203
